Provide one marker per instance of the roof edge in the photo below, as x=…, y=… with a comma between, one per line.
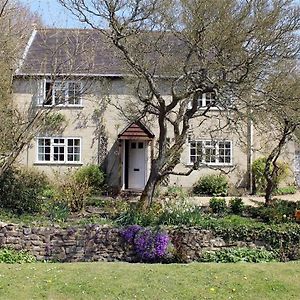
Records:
x=28, y=45
x=120, y=75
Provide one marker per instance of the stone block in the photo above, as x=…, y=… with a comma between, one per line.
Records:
x=27, y=231
x=12, y=240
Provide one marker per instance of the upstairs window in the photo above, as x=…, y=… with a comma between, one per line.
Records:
x=211, y=152
x=59, y=150
x=207, y=100
x=60, y=93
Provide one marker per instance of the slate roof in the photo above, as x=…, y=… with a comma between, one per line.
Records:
x=85, y=52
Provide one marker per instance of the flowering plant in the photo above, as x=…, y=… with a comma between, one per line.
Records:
x=149, y=245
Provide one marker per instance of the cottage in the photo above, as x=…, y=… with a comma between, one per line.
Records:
x=79, y=74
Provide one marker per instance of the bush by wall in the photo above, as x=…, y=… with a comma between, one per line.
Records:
x=11, y=256
x=234, y=255
x=21, y=188
x=92, y=175
x=236, y=205
x=218, y=205
x=211, y=185
x=258, y=169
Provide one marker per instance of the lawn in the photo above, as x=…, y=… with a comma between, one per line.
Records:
x=150, y=281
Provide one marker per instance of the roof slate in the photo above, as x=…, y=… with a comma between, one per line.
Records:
x=71, y=51
x=88, y=52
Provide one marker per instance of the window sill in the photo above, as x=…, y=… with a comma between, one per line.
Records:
x=213, y=108
x=50, y=163
x=61, y=106
x=229, y=165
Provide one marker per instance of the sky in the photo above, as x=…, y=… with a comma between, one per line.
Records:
x=53, y=14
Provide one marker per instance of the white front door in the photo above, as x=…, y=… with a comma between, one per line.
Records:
x=137, y=165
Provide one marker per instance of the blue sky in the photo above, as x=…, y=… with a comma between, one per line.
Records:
x=53, y=14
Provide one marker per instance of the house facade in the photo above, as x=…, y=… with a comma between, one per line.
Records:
x=78, y=74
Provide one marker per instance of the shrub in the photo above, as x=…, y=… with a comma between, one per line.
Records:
x=21, y=189
x=92, y=176
x=58, y=211
x=179, y=212
x=280, y=211
x=236, y=205
x=135, y=216
x=75, y=194
x=235, y=255
x=72, y=192
x=10, y=256
x=176, y=192
x=218, y=205
x=149, y=245
x=212, y=185
x=288, y=190
x=258, y=169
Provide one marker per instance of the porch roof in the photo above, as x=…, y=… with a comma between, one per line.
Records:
x=136, y=131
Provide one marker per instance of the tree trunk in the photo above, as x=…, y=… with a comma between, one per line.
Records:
x=269, y=190
x=146, y=198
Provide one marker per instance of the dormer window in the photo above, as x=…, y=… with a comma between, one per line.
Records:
x=60, y=93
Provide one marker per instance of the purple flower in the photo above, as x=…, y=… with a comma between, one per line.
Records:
x=129, y=233
x=149, y=245
x=161, y=244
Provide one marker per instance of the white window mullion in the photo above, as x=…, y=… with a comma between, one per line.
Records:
x=65, y=150
x=217, y=152
x=66, y=89
x=204, y=99
x=51, y=150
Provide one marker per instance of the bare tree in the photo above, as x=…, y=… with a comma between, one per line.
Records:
x=15, y=25
x=192, y=46
x=278, y=110
x=19, y=126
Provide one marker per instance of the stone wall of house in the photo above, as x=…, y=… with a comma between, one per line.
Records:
x=101, y=243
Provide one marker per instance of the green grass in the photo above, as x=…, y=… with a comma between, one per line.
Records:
x=150, y=281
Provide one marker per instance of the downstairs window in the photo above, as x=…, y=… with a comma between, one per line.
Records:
x=59, y=150
x=211, y=152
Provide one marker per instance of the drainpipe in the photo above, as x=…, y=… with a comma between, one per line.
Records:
x=250, y=154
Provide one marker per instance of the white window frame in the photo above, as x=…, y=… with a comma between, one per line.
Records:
x=217, y=162
x=64, y=144
x=202, y=105
x=43, y=93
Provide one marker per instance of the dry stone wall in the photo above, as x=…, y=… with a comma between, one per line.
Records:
x=101, y=243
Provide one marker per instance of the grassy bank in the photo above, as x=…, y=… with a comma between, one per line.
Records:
x=146, y=281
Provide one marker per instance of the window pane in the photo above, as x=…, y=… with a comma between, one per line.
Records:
x=59, y=93
x=49, y=93
x=73, y=150
x=210, y=99
x=224, y=152
x=74, y=93
x=43, y=149
x=41, y=142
